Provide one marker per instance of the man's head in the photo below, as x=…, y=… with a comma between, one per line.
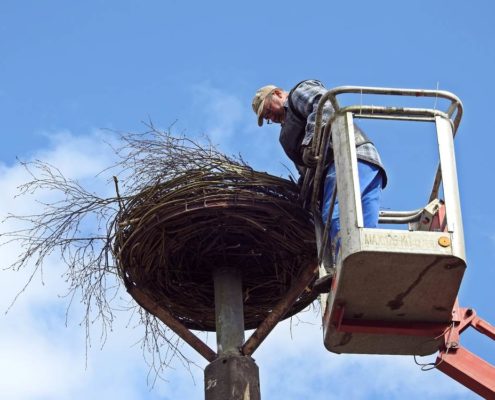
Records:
x=268, y=103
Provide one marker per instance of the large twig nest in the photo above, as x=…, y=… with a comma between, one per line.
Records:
x=173, y=235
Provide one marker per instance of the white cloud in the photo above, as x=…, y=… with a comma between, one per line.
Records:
x=221, y=112
x=301, y=368
x=41, y=357
x=78, y=156
x=32, y=365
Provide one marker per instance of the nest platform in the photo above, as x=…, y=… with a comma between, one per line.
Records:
x=173, y=235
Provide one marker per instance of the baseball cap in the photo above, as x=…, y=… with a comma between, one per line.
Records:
x=259, y=101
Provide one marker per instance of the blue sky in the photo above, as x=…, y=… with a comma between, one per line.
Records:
x=70, y=72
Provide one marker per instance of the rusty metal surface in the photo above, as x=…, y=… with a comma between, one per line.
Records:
x=168, y=319
x=280, y=310
x=469, y=370
x=459, y=363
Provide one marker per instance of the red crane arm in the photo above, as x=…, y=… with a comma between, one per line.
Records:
x=462, y=365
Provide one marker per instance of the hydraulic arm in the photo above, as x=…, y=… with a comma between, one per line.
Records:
x=459, y=363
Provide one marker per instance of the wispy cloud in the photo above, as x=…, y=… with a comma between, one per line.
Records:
x=41, y=357
x=221, y=113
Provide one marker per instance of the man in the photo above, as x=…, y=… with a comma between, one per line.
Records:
x=295, y=111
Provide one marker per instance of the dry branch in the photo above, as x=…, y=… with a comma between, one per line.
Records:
x=181, y=209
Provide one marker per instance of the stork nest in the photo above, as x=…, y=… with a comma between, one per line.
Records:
x=172, y=236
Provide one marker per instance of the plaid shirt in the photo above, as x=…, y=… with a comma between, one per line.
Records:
x=297, y=132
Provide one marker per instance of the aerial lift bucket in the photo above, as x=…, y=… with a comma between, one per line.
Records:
x=392, y=291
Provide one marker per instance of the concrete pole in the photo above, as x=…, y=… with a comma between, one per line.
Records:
x=229, y=311
x=231, y=376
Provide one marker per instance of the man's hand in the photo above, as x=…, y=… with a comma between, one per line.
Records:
x=309, y=159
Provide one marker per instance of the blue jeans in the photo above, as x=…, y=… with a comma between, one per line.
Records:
x=370, y=182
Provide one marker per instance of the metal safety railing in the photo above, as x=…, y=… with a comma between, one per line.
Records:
x=320, y=144
x=321, y=139
x=399, y=217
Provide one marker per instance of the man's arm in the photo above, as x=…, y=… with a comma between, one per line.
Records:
x=305, y=99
